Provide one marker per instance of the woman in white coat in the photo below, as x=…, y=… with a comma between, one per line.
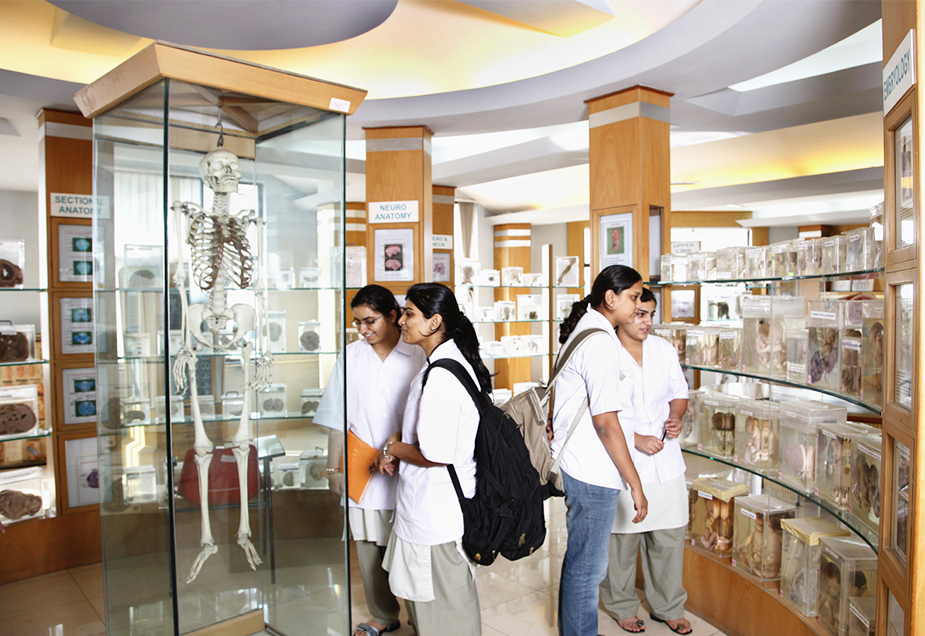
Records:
x=654, y=397
x=596, y=463
x=378, y=370
x=426, y=563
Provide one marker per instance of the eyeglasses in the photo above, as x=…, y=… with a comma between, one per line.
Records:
x=368, y=322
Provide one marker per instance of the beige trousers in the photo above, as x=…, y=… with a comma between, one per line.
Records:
x=455, y=609
x=662, y=569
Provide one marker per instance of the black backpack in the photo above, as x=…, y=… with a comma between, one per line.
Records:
x=506, y=514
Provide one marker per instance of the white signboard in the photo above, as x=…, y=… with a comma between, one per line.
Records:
x=899, y=73
x=393, y=212
x=443, y=242
x=77, y=205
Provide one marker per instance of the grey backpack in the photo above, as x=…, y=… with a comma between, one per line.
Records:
x=529, y=411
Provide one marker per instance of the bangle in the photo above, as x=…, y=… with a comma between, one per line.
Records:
x=385, y=450
x=331, y=471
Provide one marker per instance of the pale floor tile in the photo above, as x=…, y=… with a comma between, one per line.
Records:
x=31, y=595
x=535, y=613
x=72, y=619
x=89, y=579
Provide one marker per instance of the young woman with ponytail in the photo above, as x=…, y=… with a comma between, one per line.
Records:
x=426, y=563
x=596, y=464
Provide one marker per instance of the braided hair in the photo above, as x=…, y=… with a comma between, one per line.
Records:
x=616, y=278
x=434, y=298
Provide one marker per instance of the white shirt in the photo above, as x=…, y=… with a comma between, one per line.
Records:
x=645, y=393
x=377, y=391
x=443, y=420
x=593, y=371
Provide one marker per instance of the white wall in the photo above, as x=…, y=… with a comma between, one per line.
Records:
x=19, y=217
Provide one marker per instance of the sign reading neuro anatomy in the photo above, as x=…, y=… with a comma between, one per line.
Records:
x=393, y=212
x=899, y=73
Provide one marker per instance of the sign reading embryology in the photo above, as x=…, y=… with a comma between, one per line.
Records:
x=393, y=212
x=899, y=73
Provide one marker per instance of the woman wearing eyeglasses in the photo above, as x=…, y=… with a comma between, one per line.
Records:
x=378, y=370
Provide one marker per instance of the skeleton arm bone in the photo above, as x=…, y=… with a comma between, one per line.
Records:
x=264, y=362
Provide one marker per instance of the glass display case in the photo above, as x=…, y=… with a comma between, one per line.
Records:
x=847, y=569
x=712, y=523
x=801, y=549
x=227, y=187
x=758, y=537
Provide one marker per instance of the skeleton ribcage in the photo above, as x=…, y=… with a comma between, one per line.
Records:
x=219, y=246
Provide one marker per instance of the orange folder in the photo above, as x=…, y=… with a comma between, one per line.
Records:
x=360, y=456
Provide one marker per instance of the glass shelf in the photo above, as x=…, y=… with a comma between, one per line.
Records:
x=24, y=363
x=799, y=385
x=468, y=286
x=291, y=415
x=516, y=355
x=157, y=290
x=227, y=354
x=869, y=536
x=505, y=322
x=24, y=289
x=42, y=432
x=777, y=279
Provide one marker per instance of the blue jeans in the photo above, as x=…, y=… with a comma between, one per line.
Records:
x=589, y=518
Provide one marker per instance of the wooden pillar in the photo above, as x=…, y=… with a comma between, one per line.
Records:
x=901, y=570
x=576, y=245
x=399, y=195
x=629, y=163
x=354, y=236
x=72, y=538
x=444, y=267
x=512, y=249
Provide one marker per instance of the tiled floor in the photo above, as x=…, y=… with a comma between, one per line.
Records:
x=516, y=598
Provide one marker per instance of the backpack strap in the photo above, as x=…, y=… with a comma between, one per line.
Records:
x=566, y=354
x=561, y=360
x=477, y=396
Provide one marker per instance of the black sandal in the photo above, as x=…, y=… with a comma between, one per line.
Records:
x=676, y=630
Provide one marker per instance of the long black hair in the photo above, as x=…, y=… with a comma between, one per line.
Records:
x=379, y=299
x=434, y=298
x=616, y=278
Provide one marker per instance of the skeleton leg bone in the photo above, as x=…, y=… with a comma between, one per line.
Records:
x=242, y=446
x=203, y=447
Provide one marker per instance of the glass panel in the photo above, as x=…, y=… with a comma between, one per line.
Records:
x=899, y=535
x=904, y=355
x=895, y=617
x=304, y=231
x=135, y=516
x=905, y=184
x=196, y=367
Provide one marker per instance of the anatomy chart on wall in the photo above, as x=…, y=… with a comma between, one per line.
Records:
x=394, y=255
x=617, y=240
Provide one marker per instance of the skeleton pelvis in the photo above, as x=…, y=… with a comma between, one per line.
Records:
x=243, y=317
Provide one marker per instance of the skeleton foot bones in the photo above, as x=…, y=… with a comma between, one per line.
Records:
x=220, y=258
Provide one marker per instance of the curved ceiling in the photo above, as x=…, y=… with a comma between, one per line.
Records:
x=502, y=83
x=230, y=24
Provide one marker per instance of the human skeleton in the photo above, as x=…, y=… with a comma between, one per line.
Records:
x=220, y=257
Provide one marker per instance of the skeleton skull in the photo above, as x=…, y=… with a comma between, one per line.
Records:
x=221, y=171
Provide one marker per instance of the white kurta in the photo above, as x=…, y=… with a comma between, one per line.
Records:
x=443, y=420
x=645, y=392
x=593, y=371
x=377, y=391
